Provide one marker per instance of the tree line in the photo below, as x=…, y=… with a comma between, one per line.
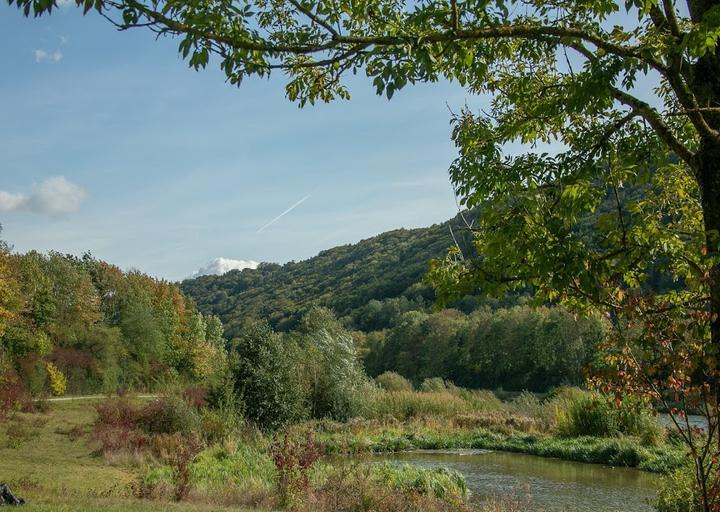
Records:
x=517, y=348
x=81, y=325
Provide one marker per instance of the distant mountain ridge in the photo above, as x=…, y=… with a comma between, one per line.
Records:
x=389, y=265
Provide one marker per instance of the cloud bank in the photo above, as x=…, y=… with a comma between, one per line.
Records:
x=219, y=266
x=54, y=196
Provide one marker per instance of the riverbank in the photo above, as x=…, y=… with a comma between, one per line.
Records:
x=378, y=437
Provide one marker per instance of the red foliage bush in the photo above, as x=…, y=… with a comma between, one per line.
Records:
x=116, y=426
x=66, y=358
x=293, y=461
x=196, y=396
x=13, y=394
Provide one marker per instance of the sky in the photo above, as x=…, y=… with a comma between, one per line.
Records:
x=109, y=143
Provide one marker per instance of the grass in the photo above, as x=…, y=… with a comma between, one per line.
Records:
x=47, y=459
x=42, y=504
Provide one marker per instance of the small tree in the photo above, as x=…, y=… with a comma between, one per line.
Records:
x=179, y=451
x=293, y=460
x=265, y=377
x=330, y=368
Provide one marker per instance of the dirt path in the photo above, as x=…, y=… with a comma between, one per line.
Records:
x=87, y=397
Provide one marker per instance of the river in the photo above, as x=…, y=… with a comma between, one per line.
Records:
x=542, y=484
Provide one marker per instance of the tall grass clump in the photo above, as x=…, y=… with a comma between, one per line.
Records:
x=442, y=483
x=576, y=413
x=480, y=400
x=404, y=405
x=433, y=385
x=391, y=488
x=393, y=382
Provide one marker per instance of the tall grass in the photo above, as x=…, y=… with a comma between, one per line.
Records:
x=404, y=405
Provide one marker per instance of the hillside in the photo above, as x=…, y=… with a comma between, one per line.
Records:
x=344, y=278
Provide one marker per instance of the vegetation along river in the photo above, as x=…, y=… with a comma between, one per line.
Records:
x=543, y=484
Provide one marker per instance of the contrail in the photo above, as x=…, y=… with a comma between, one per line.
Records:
x=284, y=213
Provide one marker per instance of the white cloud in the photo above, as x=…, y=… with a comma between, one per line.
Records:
x=43, y=55
x=219, y=266
x=53, y=196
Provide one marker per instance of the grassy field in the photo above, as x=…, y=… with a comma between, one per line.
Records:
x=47, y=459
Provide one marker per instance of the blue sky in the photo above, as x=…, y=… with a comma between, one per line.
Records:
x=166, y=169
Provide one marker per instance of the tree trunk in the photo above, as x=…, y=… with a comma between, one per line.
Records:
x=708, y=170
x=706, y=87
x=709, y=179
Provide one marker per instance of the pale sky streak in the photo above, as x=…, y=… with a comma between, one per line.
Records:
x=301, y=201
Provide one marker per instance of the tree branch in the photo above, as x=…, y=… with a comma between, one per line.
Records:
x=656, y=122
x=315, y=18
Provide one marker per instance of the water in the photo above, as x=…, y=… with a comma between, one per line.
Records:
x=694, y=420
x=543, y=484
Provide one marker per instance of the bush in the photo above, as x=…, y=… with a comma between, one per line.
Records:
x=678, y=492
x=590, y=416
x=480, y=399
x=179, y=452
x=579, y=413
x=167, y=416
x=293, y=460
x=218, y=425
x=442, y=483
x=115, y=428
x=433, y=385
x=266, y=379
x=58, y=381
x=393, y=382
x=332, y=375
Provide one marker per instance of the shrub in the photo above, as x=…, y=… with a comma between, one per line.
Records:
x=13, y=394
x=331, y=373
x=18, y=432
x=433, y=385
x=179, y=452
x=441, y=483
x=579, y=413
x=393, y=382
x=293, y=460
x=115, y=428
x=480, y=399
x=195, y=396
x=636, y=418
x=266, y=379
x=589, y=416
x=678, y=492
x=116, y=413
x=167, y=416
x=218, y=425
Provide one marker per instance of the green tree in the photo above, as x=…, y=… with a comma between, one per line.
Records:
x=266, y=380
x=330, y=368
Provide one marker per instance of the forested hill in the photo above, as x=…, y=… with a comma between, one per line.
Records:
x=344, y=278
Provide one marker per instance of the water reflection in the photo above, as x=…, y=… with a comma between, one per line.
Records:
x=543, y=484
